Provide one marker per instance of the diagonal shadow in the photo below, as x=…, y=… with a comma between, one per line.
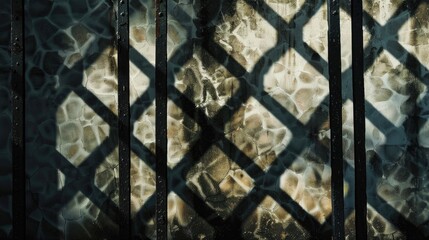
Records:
x=246, y=90
x=239, y=73
x=43, y=160
x=79, y=178
x=250, y=85
x=373, y=50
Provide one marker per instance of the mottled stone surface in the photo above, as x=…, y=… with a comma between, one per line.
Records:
x=68, y=45
x=292, y=79
x=215, y=177
x=5, y=125
x=184, y=223
x=142, y=100
x=397, y=151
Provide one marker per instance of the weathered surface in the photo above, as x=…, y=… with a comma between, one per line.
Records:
x=291, y=79
x=68, y=45
x=298, y=87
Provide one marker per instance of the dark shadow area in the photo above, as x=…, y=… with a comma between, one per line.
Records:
x=402, y=157
x=140, y=222
x=209, y=16
x=250, y=85
x=53, y=31
x=5, y=124
x=49, y=81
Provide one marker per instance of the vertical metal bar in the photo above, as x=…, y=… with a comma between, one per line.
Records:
x=161, y=118
x=18, y=95
x=335, y=115
x=124, y=118
x=359, y=119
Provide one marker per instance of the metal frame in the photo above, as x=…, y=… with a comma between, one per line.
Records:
x=161, y=117
x=335, y=117
x=124, y=117
x=359, y=119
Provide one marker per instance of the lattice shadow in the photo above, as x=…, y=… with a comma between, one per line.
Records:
x=41, y=141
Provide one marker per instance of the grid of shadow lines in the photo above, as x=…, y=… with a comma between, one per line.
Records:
x=251, y=85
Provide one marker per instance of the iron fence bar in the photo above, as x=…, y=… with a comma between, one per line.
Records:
x=18, y=119
x=124, y=118
x=359, y=119
x=335, y=116
x=161, y=118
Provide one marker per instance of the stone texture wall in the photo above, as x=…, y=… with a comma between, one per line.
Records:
x=248, y=119
x=397, y=141
x=71, y=95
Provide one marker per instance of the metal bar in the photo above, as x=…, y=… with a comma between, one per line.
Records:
x=124, y=118
x=335, y=115
x=161, y=118
x=18, y=95
x=359, y=119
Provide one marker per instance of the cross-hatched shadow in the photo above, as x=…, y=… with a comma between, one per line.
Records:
x=62, y=41
x=45, y=92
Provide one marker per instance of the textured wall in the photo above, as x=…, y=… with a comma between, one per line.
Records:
x=219, y=53
x=397, y=141
x=142, y=100
x=71, y=93
x=248, y=128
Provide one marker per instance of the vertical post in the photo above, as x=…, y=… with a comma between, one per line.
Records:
x=18, y=138
x=161, y=118
x=359, y=120
x=335, y=115
x=124, y=118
